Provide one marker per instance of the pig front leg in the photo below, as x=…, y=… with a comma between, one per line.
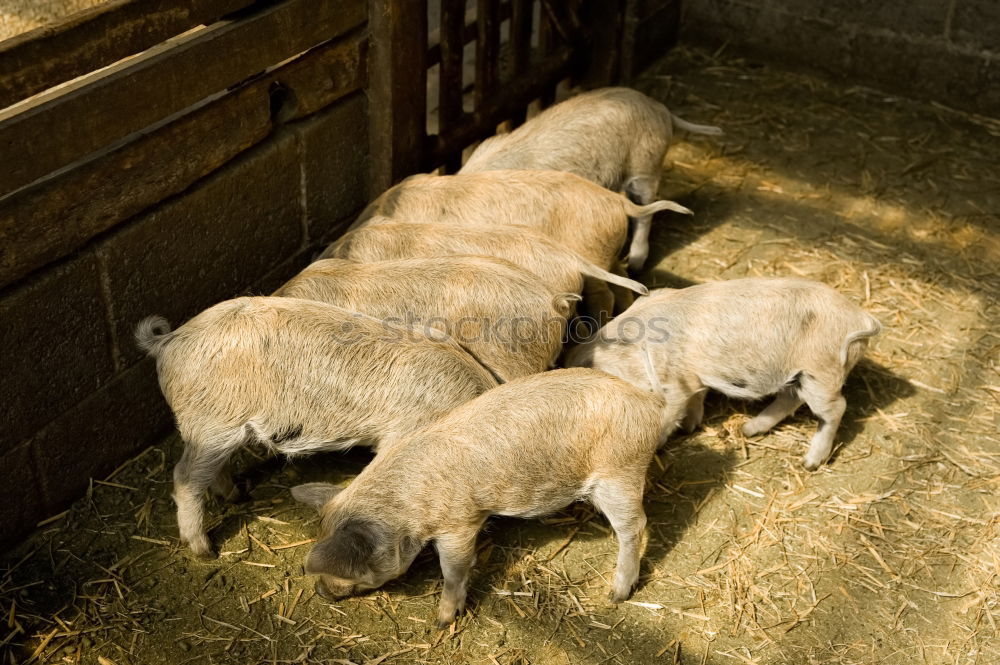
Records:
x=457, y=553
x=620, y=500
x=598, y=300
x=224, y=487
x=623, y=297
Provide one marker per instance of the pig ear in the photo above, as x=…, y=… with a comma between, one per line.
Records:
x=347, y=552
x=315, y=494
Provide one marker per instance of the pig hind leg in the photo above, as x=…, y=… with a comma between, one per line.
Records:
x=694, y=411
x=199, y=469
x=623, y=297
x=784, y=405
x=457, y=553
x=824, y=399
x=620, y=499
x=224, y=487
x=641, y=190
x=598, y=299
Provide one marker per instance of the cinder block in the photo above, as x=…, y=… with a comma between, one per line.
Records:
x=646, y=8
x=919, y=18
x=719, y=21
x=208, y=244
x=976, y=24
x=20, y=502
x=56, y=346
x=873, y=58
x=898, y=47
x=93, y=438
x=335, y=145
x=270, y=282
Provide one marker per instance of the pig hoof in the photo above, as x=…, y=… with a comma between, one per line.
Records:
x=619, y=596
x=206, y=555
x=443, y=625
x=811, y=465
x=635, y=264
x=749, y=429
x=202, y=549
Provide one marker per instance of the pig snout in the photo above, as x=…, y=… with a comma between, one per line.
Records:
x=337, y=592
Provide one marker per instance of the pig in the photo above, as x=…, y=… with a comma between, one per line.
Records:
x=616, y=137
x=559, y=268
x=524, y=449
x=294, y=377
x=575, y=212
x=497, y=311
x=747, y=338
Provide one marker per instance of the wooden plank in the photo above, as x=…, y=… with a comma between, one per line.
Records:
x=655, y=33
x=520, y=37
x=544, y=75
x=397, y=73
x=53, y=218
x=66, y=124
x=604, y=21
x=452, y=45
x=626, y=56
x=521, y=19
x=487, y=51
x=469, y=34
x=85, y=41
x=546, y=33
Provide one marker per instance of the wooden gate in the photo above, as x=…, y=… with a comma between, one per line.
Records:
x=482, y=62
x=158, y=156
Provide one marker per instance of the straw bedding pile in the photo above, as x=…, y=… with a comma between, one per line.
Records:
x=888, y=554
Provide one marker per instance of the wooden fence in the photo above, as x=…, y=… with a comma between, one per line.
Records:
x=157, y=156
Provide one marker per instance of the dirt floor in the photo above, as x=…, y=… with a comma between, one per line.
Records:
x=887, y=555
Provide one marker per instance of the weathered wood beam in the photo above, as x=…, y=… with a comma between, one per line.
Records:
x=96, y=37
x=63, y=125
x=397, y=87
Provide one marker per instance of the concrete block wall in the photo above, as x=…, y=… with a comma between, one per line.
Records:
x=78, y=395
x=942, y=50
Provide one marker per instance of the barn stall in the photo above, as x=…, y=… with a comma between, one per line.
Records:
x=160, y=157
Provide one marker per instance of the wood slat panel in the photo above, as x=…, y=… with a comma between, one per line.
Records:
x=56, y=129
x=520, y=37
x=543, y=76
x=49, y=55
x=470, y=33
x=452, y=46
x=605, y=33
x=630, y=23
x=397, y=89
x=487, y=51
x=49, y=220
x=521, y=21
